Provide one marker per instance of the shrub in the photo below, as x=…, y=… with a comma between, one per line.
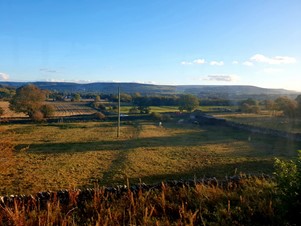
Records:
x=37, y=116
x=160, y=117
x=288, y=178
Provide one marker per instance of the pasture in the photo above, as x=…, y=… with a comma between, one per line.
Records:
x=265, y=120
x=68, y=155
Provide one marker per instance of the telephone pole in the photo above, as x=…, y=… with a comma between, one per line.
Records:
x=118, y=126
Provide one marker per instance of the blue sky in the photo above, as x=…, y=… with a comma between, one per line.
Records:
x=206, y=42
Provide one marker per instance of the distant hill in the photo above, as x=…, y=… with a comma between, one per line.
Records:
x=204, y=91
x=104, y=87
x=234, y=92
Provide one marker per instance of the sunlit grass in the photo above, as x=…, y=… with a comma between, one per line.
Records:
x=61, y=155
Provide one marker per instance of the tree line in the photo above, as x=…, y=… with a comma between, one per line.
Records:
x=30, y=100
x=290, y=108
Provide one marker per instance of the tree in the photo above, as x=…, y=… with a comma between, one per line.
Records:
x=287, y=105
x=97, y=98
x=250, y=106
x=76, y=97
x=143, y=104
x=188, y=102
x=28, y=99
x=269, y=104
x=47, y=110
x=125, y=97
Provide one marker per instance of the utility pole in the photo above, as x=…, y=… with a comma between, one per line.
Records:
x=118, y=126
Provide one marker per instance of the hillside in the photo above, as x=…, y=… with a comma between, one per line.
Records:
x=232, y=92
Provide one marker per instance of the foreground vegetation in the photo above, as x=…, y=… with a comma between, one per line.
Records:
x=251, y=202
x=239, y=201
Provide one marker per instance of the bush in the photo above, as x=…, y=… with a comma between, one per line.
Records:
x=160, y=117
x=37, y=116
x=288, y=178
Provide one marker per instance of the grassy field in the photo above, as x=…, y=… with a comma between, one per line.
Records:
x=67, y=155
x=164, y=109
x=265, y=120
x=68, y=108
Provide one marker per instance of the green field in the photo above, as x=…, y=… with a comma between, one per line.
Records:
x=66, y=155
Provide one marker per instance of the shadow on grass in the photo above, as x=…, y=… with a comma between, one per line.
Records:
x=220, y=171
x=261, y=144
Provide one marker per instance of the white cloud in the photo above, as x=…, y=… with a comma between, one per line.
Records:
x=199, y=61
x=273, y=60
x=222, y=78
x=196, y=61
x=216, y=63
x=4, y=76
x=186, y=63
x=235, y=62
x=272, y=70
x=248, y=63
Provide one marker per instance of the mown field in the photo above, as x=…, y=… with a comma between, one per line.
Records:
x=68, y=155
x=61, y=109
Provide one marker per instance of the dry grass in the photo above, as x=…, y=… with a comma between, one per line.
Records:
x=252, y=203
x=63, y=155
x=9, y=113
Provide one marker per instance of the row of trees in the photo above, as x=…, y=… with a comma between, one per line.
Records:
x=30, y=100
x=291, y=108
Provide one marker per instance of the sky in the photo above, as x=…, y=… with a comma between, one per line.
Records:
x=165, y=42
